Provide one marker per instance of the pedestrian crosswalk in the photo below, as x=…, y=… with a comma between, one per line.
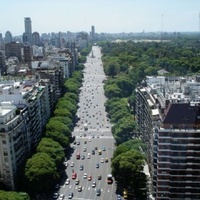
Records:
x=78, y=129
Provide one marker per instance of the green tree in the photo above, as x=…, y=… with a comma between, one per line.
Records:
x=124, y=129
x=65, y=104
x=5, y=195
x=113, y=91
x=63, y=140
x=41, y=172
x=53, y=149
x=127, y=168
x=57, y=126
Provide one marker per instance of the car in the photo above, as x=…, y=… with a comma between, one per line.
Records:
x=97, y=165
x=106, y=160
x=98, y=192
x=102, y=160
x=89, y=139
x=88, y=156
x=61, y=197
x=78, y=143
x=74, y=175
x=81, y=167
x=100, y=152
x=94, y=184
x=81, y=134
x=79, y=188
x=97, y=135
x=76, y=182
x=74, y=142
x=85, y=175
x=67, y=182
x=82, y=157
x=84, y=149
x=93, y=152
x=72, y=164
x=85, y=142
x=55, y=195
x=70, y=196
x=95, y=148
x=99, y=177
x=66, y=164
x=119, y=197
x=89, y=177
x=103, y=148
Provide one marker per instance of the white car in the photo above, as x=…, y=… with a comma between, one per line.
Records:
x=88, y=156
x=94, y=184
x=72, y=164
x=67, y=182
x=85, y=175
x=102, y=160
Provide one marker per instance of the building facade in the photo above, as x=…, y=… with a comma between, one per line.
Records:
x=168, y=115
x=28, y=30
x=8, y=37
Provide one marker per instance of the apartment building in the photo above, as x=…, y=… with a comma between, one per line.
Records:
x=13, y=140
x=168, y=115
x=24, y=111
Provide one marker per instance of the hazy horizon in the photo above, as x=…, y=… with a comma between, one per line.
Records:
x=108, y=16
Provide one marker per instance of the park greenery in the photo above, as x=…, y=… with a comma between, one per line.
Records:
x=126, y=65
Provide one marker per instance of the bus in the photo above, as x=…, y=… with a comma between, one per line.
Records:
x=78, y=156
x=109, y=179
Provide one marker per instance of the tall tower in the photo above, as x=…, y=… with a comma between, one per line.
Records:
x=93, y=32
x=28, y=29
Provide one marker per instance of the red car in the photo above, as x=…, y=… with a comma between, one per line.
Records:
x=74, y=175
x=89, y=177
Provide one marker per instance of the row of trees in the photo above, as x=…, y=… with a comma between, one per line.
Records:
x=43, y=169
x=128, y=161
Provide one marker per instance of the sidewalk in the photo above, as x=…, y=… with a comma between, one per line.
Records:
x=146, y=171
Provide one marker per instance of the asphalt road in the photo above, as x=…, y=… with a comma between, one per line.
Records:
x=92, y=112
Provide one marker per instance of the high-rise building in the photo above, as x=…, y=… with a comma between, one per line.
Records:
x=93, y=32
x=168, y=116
x=8, y=37
x=13, y=49
x=28, y=29
x=36, y=39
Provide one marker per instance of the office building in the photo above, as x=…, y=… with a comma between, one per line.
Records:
x=28, y=30
x=168, y=116
x=93, y=32
x=36, y=39
x=8, y=37
x=13, y=49
x=27, y=53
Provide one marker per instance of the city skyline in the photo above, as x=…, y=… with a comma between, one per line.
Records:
x=113, y=16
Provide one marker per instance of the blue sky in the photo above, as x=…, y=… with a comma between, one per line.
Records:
x=111, y=16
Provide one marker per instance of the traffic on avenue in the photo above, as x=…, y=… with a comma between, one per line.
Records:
x=88, y=169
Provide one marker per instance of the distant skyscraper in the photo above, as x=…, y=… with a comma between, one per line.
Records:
x=36, y=38
x=28, y=29
x=8, y=37
x=93, y=32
